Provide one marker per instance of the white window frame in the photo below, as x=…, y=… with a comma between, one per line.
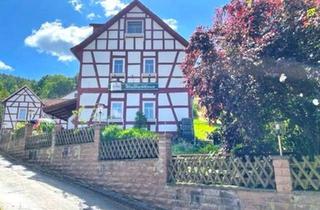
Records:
x=123, y=68
x=144, y=67
x=112, y=118
x=154, y=109
x=135, y=34
x=26, y=114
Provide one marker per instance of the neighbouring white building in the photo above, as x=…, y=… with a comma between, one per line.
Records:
x=132, y=63
x=24, y=105
x=21, y=106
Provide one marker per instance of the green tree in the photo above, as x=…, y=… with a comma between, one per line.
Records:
x=140, y=121
x=3, y=94
x=55, y=86
x=12, y=83
x=257, y=64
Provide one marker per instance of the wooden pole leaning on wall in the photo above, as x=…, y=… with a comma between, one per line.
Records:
x=97, y=136
x=282, y=174
x=27, y=133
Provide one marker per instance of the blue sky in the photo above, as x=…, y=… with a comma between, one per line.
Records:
x=35, y=35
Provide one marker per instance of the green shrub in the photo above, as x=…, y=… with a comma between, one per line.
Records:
x=181, y=146
x=184, y=148
x=111, y=132
x=137, y=133
x=47, y=127
x=19, y=130
x=209, y=149
x=114, y=132
x=43, y=125
x=20, y=125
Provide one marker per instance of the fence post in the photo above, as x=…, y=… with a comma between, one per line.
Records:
x=5, y=140
x=282, y=174
x=28, y=130
x=53, y=141
x=96, y=139
x=165, y=155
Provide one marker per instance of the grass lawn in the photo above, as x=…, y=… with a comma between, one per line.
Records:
x=202, y=128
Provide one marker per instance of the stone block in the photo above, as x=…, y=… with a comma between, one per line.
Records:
x=284, y=188
x=283, y=180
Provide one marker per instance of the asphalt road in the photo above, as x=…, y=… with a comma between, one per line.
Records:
x=24, y=189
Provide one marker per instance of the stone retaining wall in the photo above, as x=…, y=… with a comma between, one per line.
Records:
x=146, y=180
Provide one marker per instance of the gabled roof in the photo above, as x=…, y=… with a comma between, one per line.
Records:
x=17, y=91
x=60, y=108
x=52, y=102
x=73, y=95
x=100, y=28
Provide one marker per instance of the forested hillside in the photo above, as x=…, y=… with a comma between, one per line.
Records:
x=9, y=84
x=50, y=86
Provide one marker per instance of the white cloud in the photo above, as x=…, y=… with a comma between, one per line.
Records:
x=92, y=16
x=4, y=66
x=111, y=7
x=54, y=39
x=173, y=23
x=76, y=4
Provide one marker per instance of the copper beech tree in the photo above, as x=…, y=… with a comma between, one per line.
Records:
x=257, y=64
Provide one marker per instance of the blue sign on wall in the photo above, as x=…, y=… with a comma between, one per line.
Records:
x=136, y=86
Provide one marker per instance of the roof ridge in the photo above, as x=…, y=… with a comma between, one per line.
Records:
x=18, y=90
x=76, y=50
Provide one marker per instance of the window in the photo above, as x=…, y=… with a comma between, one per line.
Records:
x=116, y=110
x=149, y=66
x=118, y=66
x=22, y=115
x=134, y=27
x=148, y=110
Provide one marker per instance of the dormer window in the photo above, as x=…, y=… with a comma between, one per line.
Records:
x=134, y=27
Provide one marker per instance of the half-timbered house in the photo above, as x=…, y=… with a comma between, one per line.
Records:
x=24, y=105
x=129, y=64
x=21, y=106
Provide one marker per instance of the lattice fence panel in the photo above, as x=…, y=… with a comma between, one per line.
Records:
x=256, y=172
x=129, y=149
x=5, y=136
x=305, y=173
x=39, y=141
x=75, y=136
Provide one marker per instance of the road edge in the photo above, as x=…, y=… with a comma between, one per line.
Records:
x=118, y=197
